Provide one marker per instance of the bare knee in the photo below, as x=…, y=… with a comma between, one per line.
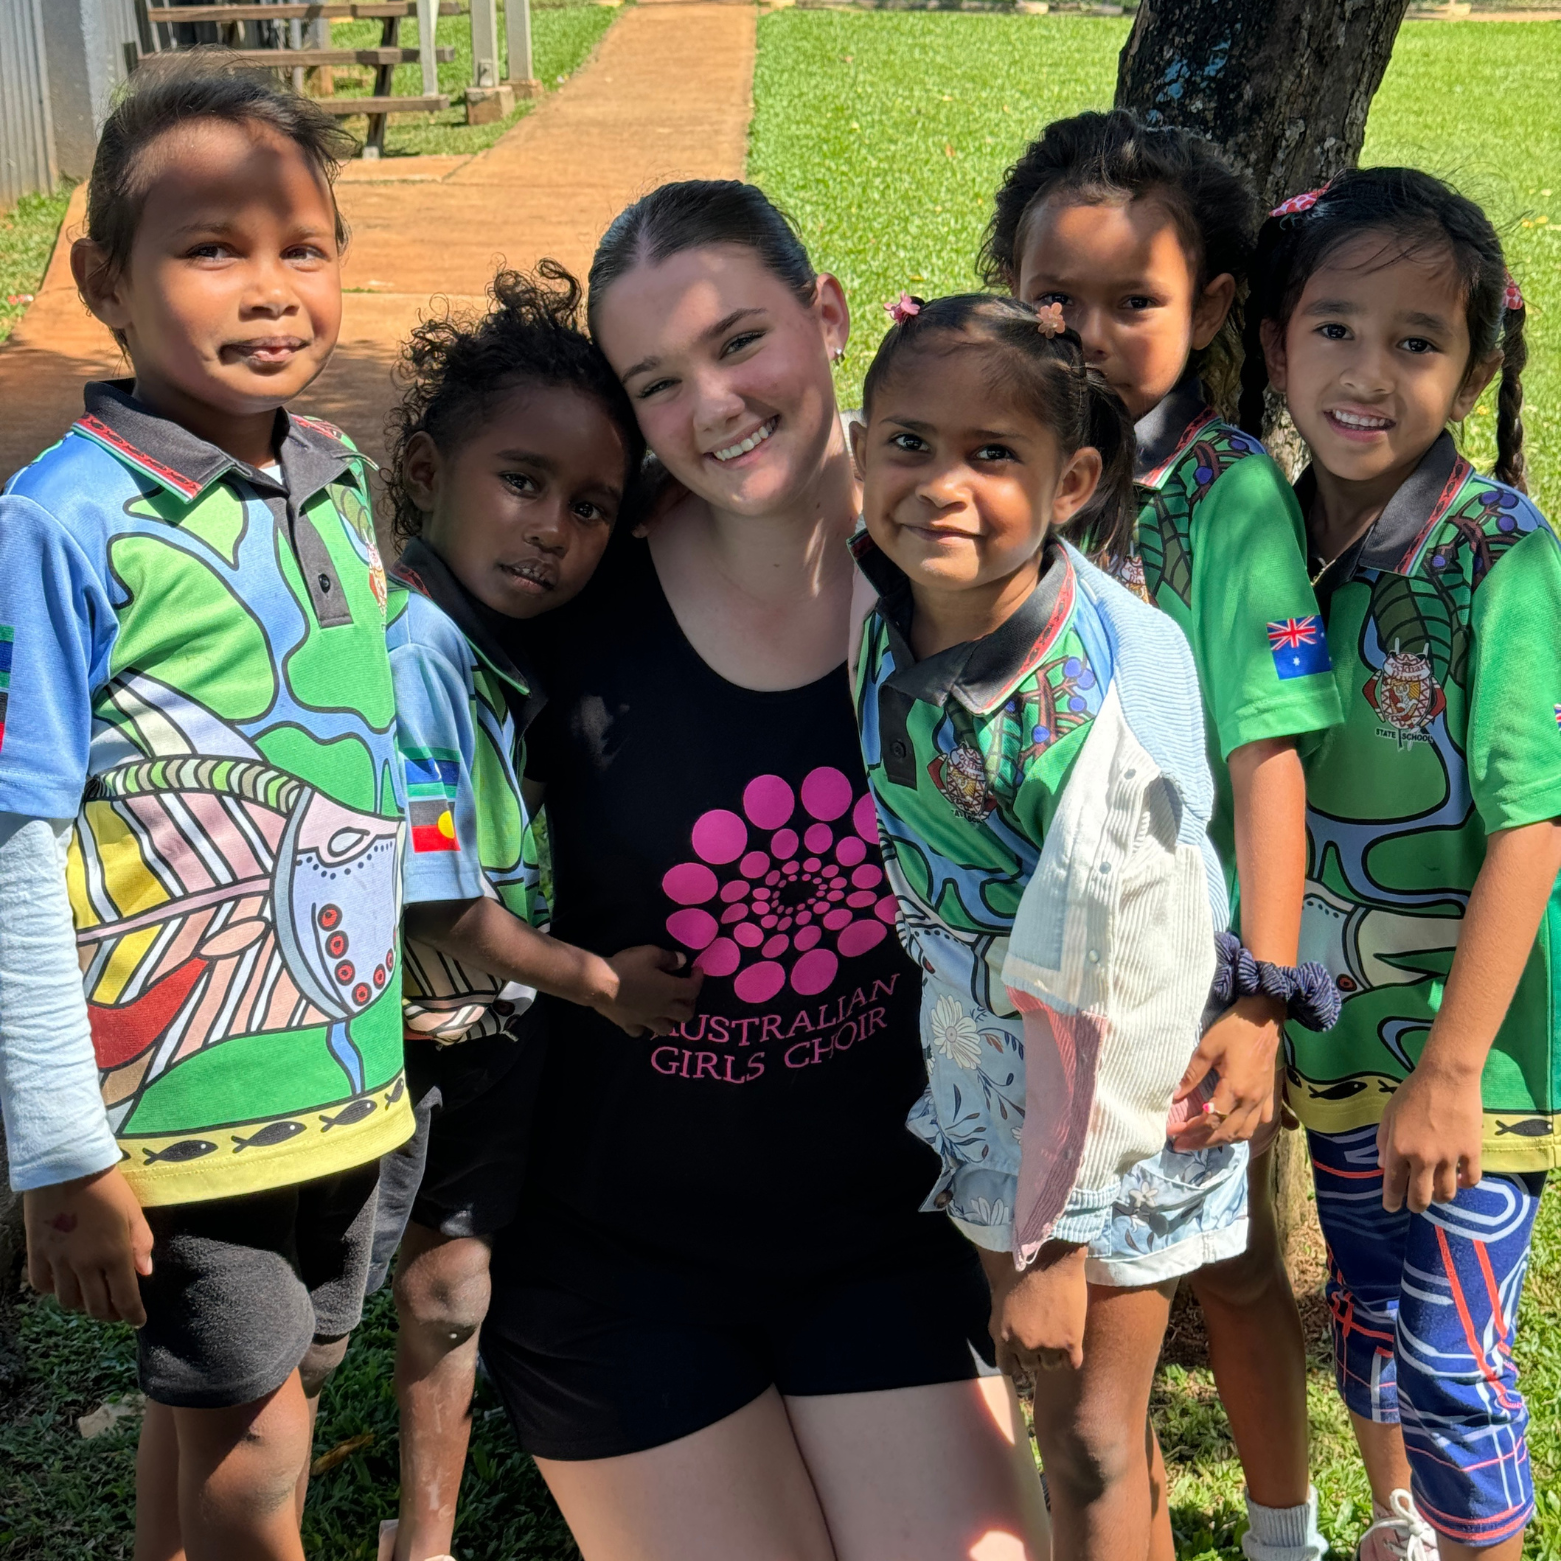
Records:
x=320, y=1360
x=1243, y=1280
x=1090, y=1457
x=442, y=1292
x=245, y=1460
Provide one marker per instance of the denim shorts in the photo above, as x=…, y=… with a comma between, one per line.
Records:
x=1173, y=1214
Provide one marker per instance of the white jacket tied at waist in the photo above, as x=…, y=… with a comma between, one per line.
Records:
x=1112, y=951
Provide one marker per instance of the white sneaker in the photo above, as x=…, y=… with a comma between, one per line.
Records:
x=1398, y=1533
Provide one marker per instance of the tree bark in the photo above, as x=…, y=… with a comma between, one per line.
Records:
x=1282, y=85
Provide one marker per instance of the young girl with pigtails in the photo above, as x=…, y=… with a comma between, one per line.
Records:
x=1143, y=237
x=1381, y=310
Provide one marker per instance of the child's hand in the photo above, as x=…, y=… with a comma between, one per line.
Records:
x=86, y=1242
x=1038, y=1316
x=647, y=995
x=1241, y=1047
x=1428, y=1143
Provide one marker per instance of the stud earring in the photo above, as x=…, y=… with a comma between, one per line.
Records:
x=838, y=356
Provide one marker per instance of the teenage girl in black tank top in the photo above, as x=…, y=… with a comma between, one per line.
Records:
x=722, y=1323
x=733, y=825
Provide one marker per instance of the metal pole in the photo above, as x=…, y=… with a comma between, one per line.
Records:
x=517, y=28
x=485, y=43
x=427, y=37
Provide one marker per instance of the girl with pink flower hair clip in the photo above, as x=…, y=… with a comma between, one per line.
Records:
x=1141, y=238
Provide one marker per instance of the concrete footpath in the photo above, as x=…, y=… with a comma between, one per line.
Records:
x=668, y=95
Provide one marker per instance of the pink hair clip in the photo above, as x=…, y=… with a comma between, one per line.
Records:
x=1299, y=203
x=1049, y=320
x=1512, y=299
x=903, y=308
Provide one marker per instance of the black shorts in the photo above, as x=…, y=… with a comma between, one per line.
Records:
x=597, y=1352
x=241, y=1287
x=460, y=1172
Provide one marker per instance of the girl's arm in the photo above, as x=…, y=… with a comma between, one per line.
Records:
x=1429, y=1141
x=86, y=1236
x=1269, y=791
x=637, y=989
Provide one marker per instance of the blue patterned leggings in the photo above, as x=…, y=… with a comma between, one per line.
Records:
x=1425, y=1308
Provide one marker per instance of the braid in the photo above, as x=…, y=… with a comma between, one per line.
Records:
x=1511, y=467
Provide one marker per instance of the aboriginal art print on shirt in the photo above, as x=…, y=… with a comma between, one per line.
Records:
x=1434, y=627
x=992, y=733
x=235, y=867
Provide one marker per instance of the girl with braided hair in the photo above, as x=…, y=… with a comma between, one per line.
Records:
x=1381, y=310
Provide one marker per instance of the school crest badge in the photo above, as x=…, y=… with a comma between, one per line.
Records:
x=1406, y=694
x=961, y=777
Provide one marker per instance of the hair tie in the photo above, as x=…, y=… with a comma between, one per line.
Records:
x=1049, y=320
x=1299, y=203
x=1308, y=991
x=903, y=308
x=1512, y=299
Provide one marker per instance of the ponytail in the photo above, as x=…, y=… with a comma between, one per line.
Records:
x=1511, y=467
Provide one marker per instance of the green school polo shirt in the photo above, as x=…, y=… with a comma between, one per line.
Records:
x=968, y=752
x=1221, y=548
x=1442, y=624
x=197, y=673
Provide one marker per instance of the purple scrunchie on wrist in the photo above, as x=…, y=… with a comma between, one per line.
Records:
x=1307, y=991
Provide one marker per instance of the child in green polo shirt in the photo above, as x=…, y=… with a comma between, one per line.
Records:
x=1143, y=237
x=515, y=452
x=198, y=797
x=1381, y=310
x=1034, y=742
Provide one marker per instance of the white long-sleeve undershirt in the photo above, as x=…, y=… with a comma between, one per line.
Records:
x=55, y=1125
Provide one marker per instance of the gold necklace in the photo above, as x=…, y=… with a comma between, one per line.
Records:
x=1326, y=567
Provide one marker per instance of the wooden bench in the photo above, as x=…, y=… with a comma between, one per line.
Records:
x=379, y=105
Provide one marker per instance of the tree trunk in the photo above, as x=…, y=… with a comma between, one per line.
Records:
x=1283, y=86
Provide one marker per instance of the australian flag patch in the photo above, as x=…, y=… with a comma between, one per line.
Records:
x=1299, y=646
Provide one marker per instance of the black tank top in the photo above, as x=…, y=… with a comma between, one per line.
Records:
x=735, y=826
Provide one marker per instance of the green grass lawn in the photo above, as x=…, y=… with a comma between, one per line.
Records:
x=562, y=38
x=26, y=241
x=885, y=135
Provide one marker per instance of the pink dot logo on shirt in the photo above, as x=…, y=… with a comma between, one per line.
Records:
x=782, y=892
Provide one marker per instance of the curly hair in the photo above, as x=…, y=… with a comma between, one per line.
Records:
x=1115, y=156
x=454, y=369
x=1419, y=215
x=1049, y=377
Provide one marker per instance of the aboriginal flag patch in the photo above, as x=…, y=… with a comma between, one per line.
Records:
x=1299, y=646
x=431, y=775
x=7, y=643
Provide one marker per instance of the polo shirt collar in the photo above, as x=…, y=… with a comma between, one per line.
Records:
x=980, y=674
x=1397, y=533
x=1166, y=429
x=492, y=635
x=186, y=465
